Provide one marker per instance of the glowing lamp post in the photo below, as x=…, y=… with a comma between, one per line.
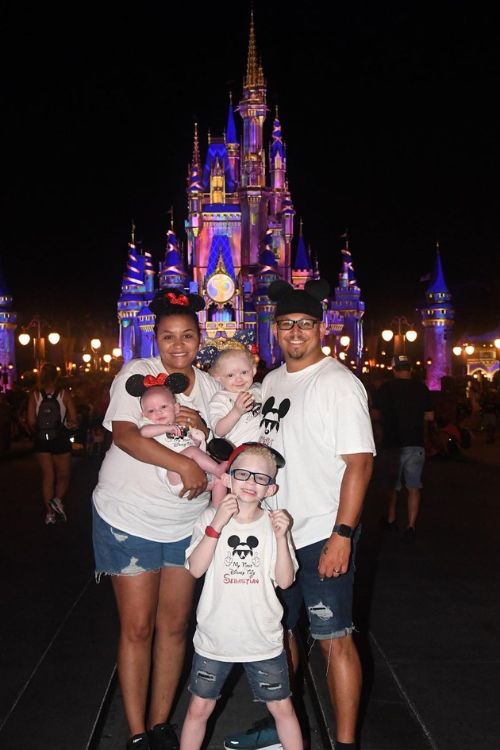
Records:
x=405, y=332
x=95, y=345
x=24, y=339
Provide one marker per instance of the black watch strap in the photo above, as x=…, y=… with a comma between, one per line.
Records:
x=342, y=529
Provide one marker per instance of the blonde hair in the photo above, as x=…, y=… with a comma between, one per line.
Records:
x=231, y=351
x=259, y=450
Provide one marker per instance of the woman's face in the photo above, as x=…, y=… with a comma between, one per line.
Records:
x=178, y=340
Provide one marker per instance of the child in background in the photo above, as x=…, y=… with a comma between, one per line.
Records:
x=160, y=409
x=245, y=552
x=234, y=411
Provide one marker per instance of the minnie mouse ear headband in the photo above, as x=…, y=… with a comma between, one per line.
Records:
x=172, y=300
x=280, y=461
x=137, y=385
x=307, y=300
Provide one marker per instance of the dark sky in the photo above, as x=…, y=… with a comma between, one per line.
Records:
x=387, y=110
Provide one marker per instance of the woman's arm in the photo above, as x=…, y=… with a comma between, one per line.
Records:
x=127, y=437
x=71, y=416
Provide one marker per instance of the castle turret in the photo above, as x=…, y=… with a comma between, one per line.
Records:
x=172, y=271
x=437, y=320
x=8, y=325
x=302, y=269
x=253, y=111
x=132, y=300
x=264, y=307
x=277, y=160
x=232, y=145
x=349, y=305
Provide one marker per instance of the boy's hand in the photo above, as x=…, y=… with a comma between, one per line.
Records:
x=227, y=508
x=243, y=403
x=281, y=522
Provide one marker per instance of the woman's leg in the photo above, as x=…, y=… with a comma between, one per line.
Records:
x=195, y=723
x=47, y=467
x=137, y=601
x=62, y=465
x=176, y=590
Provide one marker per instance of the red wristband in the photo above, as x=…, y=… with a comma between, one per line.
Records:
x=210, y=531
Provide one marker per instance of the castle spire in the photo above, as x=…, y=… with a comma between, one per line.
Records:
x=255, y=75
x=231, y=136
x=195, y=168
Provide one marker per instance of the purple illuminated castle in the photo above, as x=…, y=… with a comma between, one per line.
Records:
x=239, y=227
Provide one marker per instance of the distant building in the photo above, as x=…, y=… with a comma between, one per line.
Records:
x=8, y=325
x=437, y=319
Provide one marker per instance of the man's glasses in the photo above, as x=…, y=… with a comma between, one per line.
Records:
x=243, y=474
x=305, y=324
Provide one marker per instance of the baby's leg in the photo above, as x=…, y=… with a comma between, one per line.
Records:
x=198, y=438
x=205, y=461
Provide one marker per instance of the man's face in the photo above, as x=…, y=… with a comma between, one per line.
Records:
x=300, y=347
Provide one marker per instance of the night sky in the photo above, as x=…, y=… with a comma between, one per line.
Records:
x=387, y=110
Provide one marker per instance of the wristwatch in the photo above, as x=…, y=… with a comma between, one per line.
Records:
x=342, y=529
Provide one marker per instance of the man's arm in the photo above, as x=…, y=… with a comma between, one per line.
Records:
x=334, y=558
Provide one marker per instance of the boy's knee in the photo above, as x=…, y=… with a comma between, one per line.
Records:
x=200, y=708
x=281, y=709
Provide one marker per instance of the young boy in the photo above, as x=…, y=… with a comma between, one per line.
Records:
x=160, y=408
x=234, y=411
x=245, y=551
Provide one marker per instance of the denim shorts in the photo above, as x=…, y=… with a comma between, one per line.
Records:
x=117, y=552
x=411, y=464
x=268, y=679
x=328, y=602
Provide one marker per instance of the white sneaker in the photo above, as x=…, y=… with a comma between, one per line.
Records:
x=58, y=508
x=50, y=517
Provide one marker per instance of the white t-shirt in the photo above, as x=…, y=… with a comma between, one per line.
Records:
x=247, y=428
x=313, y=417
x=239, y=614
x=130, y=494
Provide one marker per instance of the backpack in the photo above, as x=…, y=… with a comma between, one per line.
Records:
x=48, y=420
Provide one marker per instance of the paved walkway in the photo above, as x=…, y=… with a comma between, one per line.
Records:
x=427, y=619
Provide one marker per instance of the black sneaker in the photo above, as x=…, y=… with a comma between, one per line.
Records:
x=388, y=525
x=163, y=737
x=139, y=742
x=261, y=736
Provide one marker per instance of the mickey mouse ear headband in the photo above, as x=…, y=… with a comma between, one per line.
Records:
x=307, y=300
x=280, y=461
x=137, y=385
x=172, y=300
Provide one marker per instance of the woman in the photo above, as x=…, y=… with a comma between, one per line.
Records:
x=52, y=444
x=141, y=530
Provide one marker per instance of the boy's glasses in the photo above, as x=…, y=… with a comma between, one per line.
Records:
x=305, y=324
x=243, y=474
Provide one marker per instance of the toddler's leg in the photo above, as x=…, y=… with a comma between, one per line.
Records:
x=287, y=724
x=195, y=723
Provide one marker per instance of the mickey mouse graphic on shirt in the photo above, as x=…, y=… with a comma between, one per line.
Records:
x=243, y=559
x=271, y=417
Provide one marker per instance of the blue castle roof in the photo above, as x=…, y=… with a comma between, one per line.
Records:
x=3, y=284
x=301, y=257
x=135, y=267
x=220, y=247
x=217, y=150
x=438, y=284
x=277, y=144
x=231, y=136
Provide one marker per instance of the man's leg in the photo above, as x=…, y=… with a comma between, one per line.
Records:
x=413, y=507
x=344, y=684
x=392, y=499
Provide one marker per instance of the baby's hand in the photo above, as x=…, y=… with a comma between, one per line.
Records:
x=244, y=403
x=281, y=522
x=227, y=508
x=174, y=430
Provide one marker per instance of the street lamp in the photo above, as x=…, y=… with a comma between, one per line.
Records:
x=402, y=335
x=24, y=339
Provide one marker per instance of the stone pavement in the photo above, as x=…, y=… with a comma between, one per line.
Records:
x=427, y=618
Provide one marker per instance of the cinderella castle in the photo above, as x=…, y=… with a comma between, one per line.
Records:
x=239, y=237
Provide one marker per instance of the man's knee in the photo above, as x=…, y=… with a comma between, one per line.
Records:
x=338, y=648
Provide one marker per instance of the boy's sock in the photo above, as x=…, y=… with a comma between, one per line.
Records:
x=346, y=745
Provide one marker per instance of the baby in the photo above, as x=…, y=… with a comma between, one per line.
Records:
x=160, y=409
x=234, y=412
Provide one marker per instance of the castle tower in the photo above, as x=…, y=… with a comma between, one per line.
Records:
x=302, y=269
x=267, y=273
x=437, y=320
x=132, y=299
x=349, y=305
x=8, y=325
x=253, y=110
x=232, y=145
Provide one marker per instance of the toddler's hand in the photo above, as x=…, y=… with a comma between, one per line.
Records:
x=243, y=403
x=281, y=522
x=228, y=507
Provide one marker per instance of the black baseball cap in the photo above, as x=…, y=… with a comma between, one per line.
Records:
x=401, y=362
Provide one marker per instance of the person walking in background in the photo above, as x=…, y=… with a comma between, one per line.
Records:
x=403, y=406
x=51, y=411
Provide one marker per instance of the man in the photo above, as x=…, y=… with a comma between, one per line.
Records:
x=404, y=407
x=315, y=413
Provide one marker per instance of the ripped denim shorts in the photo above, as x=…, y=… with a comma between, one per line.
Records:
x=117, y=552
x=328, y=602
x=268, y=678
